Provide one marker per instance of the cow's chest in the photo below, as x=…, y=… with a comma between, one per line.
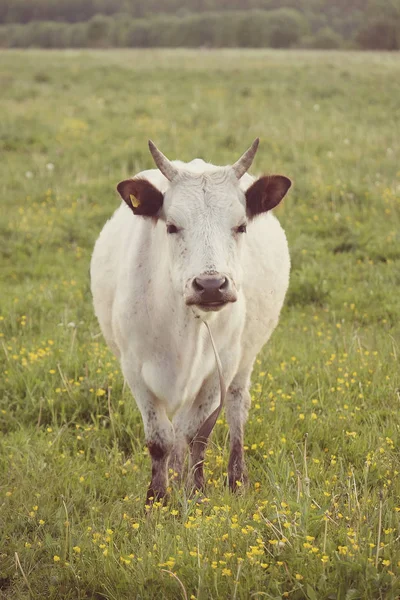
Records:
x=179, y=366
x=177, y=379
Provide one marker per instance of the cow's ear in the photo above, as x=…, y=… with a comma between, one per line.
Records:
x=266, y=193
x=141, y=196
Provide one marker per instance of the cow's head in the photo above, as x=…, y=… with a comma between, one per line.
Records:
x=204, y=220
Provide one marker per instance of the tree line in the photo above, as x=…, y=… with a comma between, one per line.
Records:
x=369, y=24
x=74, y=11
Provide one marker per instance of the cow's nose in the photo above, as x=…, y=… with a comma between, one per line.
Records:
x=210, y=287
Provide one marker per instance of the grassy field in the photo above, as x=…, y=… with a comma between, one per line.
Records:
x=321, y=517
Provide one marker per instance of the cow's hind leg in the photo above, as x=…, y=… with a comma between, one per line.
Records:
x=237, y=409
x=187, y=424
x=177, y=458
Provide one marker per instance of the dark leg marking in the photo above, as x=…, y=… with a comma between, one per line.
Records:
x=159, y=477
x=237, y=470
x=176, y=461
x=237, y=408
x=198, y=448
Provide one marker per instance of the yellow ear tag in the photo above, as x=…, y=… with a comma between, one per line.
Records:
x=135, y=201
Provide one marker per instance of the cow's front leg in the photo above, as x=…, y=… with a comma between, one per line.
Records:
x=237, y=409
x=159, y=434
x=159, y=448
x=160, y=439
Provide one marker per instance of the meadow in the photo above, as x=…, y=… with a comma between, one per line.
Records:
x=320, y=519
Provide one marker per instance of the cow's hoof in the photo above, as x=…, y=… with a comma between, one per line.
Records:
x=197, y=496
x=175, y=478
x=175, y=465
x=237, y=472
x=195, y=486
x=154, y=496
x=197, y=483
x=238, y=481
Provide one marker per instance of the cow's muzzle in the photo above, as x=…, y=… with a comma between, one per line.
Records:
x=211, y=292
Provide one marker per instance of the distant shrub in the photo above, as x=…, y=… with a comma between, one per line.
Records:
x=99, y=30
x=380, y=34
x=163, y=30
x=47, y=34
x=286, y=27
x=197, y=30
x=77, y=35
x=325, y=39
x=226, y=30
x=41, y=34
x=138, y=34
x=119, y=33
x=13, y=36
x=279, y=28
x=253, y=30
x=3, y=36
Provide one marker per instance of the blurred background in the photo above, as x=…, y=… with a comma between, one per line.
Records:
x=348, y=24
x=202, y=78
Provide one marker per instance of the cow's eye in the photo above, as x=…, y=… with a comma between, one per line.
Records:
x=242, y=228
x=172, y=228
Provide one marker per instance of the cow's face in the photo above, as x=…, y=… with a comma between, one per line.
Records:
x=204, y=219
x=205, y=224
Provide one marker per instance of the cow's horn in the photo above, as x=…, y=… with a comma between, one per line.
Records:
x=162, y=162
x=244, y=163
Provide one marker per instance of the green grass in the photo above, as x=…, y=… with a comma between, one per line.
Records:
x=321, y=517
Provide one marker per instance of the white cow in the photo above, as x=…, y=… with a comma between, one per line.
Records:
x=191, y=242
